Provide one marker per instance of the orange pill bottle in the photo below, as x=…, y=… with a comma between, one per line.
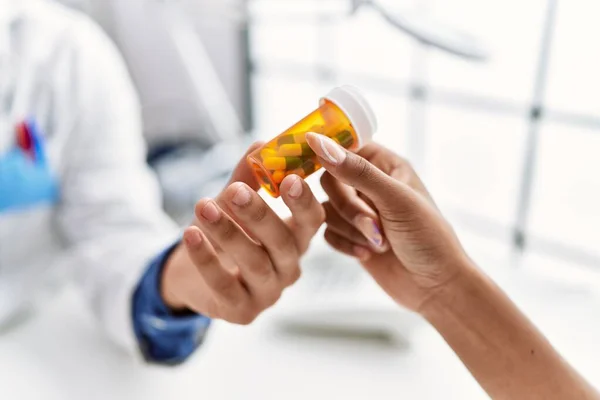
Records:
x=344, y=115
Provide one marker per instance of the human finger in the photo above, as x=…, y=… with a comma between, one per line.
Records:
x=345, y=200
x=389, y=195
x=225, y=285
x=345, y=246
x=307, y=212
x=243, y=172
x=265, y=226
x=342, y=227
x=253, y=261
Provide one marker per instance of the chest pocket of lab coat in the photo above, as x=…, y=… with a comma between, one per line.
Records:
x=28, y=191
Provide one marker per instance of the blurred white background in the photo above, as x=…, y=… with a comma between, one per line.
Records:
x=508, y=147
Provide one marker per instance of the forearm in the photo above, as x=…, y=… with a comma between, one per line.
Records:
x=503, y=350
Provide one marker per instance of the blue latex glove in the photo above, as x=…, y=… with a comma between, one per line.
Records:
x=26, y=182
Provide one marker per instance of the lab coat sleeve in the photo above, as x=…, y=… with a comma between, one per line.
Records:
x=110, y=209
x=165, y=337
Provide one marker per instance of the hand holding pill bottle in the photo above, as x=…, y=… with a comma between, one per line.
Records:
x=343, y=115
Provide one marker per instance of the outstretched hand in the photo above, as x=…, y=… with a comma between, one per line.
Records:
x=380, y=212
x=238, y=255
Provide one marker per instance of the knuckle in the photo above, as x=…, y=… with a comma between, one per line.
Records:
x=285, y=269
x=261, y=268
x=287, y=244
x=306, y=200
x=227, y=229
x=313, y=216
x=273, y=298
x=362, y=167
x=259, y=212
x=204, y=257
x=320, y=217
x=201, y=256
x=293, y=276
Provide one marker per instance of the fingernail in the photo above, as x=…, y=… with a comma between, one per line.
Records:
x=327, y=149
x=241, y=197
x=193, y=238
x=296, y=188
x=210, y=212
x=368, y=227
x=361, y=253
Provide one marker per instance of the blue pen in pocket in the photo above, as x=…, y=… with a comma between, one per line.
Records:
x=25, y=176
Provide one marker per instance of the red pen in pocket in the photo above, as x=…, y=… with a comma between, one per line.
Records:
x=25, y=139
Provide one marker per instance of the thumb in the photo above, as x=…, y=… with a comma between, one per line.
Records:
x=355, y=170
x=243, y=171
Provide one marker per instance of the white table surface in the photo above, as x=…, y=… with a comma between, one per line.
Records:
x=59, y=354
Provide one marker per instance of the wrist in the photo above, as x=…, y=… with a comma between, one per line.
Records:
x=169, y=280
x=445, y=297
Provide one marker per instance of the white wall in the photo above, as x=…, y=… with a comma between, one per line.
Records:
x=169, y=100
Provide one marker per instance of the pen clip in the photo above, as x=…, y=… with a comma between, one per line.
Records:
x=25, y=140
x=30, y=141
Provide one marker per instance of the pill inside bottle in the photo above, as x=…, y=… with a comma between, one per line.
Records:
x=343, y=114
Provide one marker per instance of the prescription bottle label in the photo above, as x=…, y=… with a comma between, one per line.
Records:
x=343, y=115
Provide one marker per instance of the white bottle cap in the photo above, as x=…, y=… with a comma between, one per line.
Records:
x=353, y=104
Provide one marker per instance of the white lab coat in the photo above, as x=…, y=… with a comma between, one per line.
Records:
x=58, y=67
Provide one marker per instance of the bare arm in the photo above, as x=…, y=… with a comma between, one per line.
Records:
x=421, y=264
x=503, y=350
